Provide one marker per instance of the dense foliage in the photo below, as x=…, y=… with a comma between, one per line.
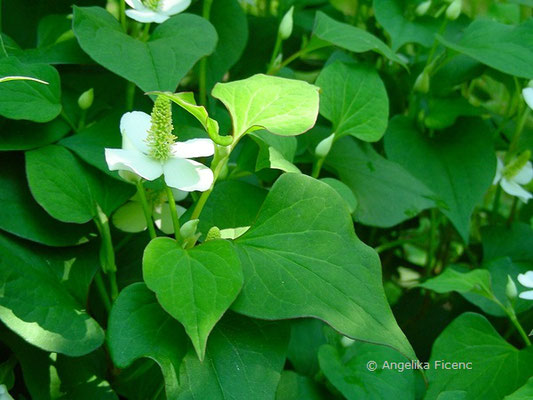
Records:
x=266, y=199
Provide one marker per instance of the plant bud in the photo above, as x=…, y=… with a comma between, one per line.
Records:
x=454, y=10
x=423, y=8
x=323, y=148
x=285, y=28
x=85, y=101
x=422, y=83
x=510, y=289
x=188, y=229
x=213, y=233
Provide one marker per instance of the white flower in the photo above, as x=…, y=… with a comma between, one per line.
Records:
x=179, y=172
x=155, y=10
x=512, y=185
x=528, y=96
x=527, y=281
x=4, y=394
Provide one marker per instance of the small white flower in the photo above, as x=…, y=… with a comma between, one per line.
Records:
x=527, y=281
x=528, y=96
x=158, y=11
x=179, y=171
x=512, y=185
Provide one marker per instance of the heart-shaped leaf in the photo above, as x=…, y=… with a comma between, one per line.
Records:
x=25, y=99
x=350, y=37
x=507, y=48
x=282, y=106
x=458, y=165
x=69, y=190
x=159, y=64
x=301, y=258
x=244, y=360
x=139, y=327
x=354, y=99
x=194, y=286
x=497, y=368
x=38, y=306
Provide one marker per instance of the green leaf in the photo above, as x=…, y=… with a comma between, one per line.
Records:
x=23, y=99
x=443, y=112
x=307, y=335
x=195, y=286
x=344, y=191
x=498, y=368
x=36, y=305
x=302, y=242
x=506, y=48
x=476, y=281
x=354, y=99
x=458, y=165
x=282, y=106
x=23, y=217
x=515, y=241
x=276, y=152
x=229, y=20
x=499, y=269
x=49, y=376
x=348, y=371
x=24, y=135
x=220, y=210
x=186, y=101
x=244, y=360
x=90, y=142
x=139, y=327
x=68, y=190
x=386, y=193
x=350, y=37
x=391, y=15
x=159, y=64
x=524, y=393
x=296, y=387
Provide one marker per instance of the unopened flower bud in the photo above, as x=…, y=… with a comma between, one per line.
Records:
x=422, y=83
x=423, y=8
x=323, y=148
x=510, y=289
x=285, y=28
x=454, y=10
x=188, y=229
x=85, y=101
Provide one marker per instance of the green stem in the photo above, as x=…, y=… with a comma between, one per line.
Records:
x=83, y=117
x=496, y=203
x=123, y=15
x=275, y=52
x=518, y=326
x=174, y=214
x=431, y=243
x=107, y=255
x=202, y=78
x=287, y=61
x=219, y=161
x=146, y=33
x=100, y=286
x=391, y=245
x=146, y=210
x=512, y=317
x=68, y=120
x=130, y=96
x=317, y=167
x=513, y=211
x=518, y=132
x=436, y=43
